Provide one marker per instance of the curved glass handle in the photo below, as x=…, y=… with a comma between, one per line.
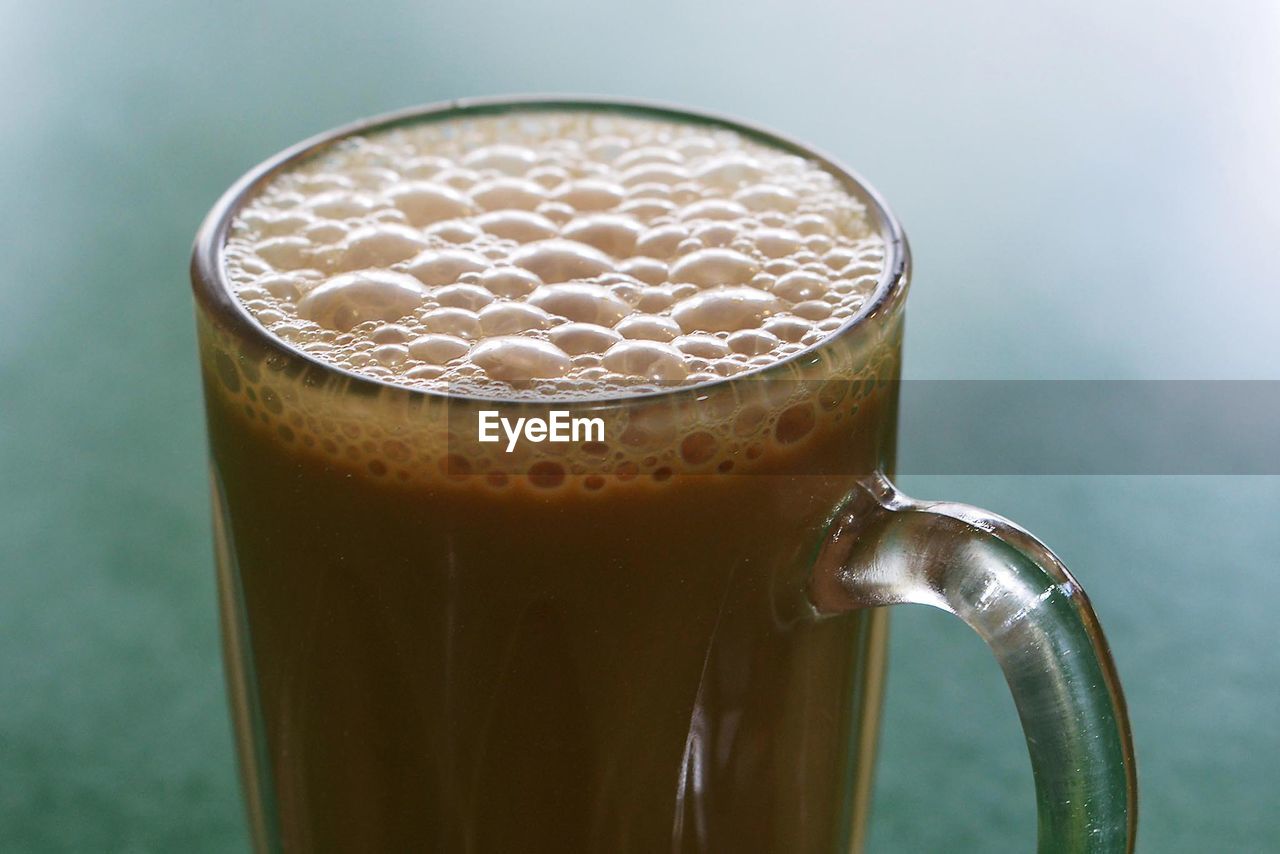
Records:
x=887, y=549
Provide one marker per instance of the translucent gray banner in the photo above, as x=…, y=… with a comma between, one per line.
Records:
x=945, y=427
x=1151, y=427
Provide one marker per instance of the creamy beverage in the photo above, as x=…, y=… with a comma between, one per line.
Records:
x=439, y=641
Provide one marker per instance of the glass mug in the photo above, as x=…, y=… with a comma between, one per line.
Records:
x=430, y=646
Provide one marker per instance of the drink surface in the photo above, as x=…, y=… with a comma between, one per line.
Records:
x=553, y=255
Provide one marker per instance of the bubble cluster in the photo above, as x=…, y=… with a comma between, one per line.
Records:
x=553, y=255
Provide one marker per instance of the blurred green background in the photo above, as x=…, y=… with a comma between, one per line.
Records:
x=1092, y=190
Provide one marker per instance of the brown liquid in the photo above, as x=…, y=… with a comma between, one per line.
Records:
x=450, y=667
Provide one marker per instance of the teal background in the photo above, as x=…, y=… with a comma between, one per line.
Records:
x=1091, y=191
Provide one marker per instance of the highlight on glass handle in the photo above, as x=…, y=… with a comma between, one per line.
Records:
x=886, y=549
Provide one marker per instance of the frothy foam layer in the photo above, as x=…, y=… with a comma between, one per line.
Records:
x=553, y=255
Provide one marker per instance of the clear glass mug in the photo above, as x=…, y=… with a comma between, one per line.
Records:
x=430, y=646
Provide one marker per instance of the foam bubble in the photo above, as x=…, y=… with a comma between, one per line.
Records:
x=460, y=322
x=352, y=298
x=284, y=253
x=702, y=346
x=509, y=318
x=379, y=246
x=519, y=225
x=725, y=309
x=709, y=267
x=650, y=327
x=649, y=360
x=508, y=193
x=444, y=266
x=437, y=348
x=510, y=282
x=753, y=342
x=778, y=242
x=661, y=241
x=423, y=203
x=800, y=285
x=511, y=159
x=788, y=328
x=584, y=303
x=590, y=195
x=512, y=358
x=612, y=234
x=767, y=197
x=562, y=260
x=454, y=231
x=389, y=355
x=580, y=338
x=730, y=170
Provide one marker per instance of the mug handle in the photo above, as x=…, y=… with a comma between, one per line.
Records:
x=884, y=548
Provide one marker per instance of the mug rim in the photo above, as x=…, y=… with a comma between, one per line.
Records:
x=214, y=294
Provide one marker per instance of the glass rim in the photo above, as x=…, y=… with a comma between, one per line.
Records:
x=214, y=294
